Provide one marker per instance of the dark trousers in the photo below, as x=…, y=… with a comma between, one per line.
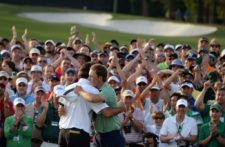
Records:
x=110, y=139
x=73, y=138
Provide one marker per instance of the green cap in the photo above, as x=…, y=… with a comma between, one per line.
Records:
x=216, y=106
x=212, y=76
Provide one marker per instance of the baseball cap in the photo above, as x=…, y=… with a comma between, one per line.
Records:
x=168, y=46
x=4, y=74
x=35, y=51
x=178, y=46
x=21, y=80
x=59, y=90
x=212, y=76
x=186, y=46
x=176, y=62
x=50, y=41
x=216, y=106
x=134, y=51
x=95, y=52
x=182, y=102
x=130, y=56
x=102, y=54
x=27, y=58
x=22, y=73
x=5, y=53
x=114, y=47
x=39, y=88
x=16, y=46
x=203, y=39
x=123, y=47
x=70, y=71
x=18, y=101
x=155, y=87
x=36, y=68
x=53, y=78
x=128, y=93
x=187, y=84
x=77, y=40
x=141, y=79
x=86, y=57
x=113, y=78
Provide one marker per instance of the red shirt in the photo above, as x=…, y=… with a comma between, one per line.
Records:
x=2, y=109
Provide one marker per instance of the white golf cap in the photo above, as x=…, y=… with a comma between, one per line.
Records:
x=36, y=68
x=4, y=74
x=155, y=87
x=50, y=41
x=167, y=46
x=18, y=101
x=190, y=85
x=113, y=78
x=21, y=80
x=182, y=102
x=34, y=51
x=59, y=90
x=141, y=79
x=128, y=93
x=16, y=46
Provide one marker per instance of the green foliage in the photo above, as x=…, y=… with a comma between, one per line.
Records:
x=191, y=6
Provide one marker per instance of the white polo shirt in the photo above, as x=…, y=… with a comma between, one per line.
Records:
x=170, y=127
x=78, y=113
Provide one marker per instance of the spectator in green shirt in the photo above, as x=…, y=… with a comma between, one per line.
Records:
x=204, y=108
x=212, y=134
x=18, y=127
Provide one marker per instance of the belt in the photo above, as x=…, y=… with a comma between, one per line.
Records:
x=111, y=132
x=51, y=141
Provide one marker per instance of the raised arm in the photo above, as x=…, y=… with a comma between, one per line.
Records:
x=199, y=103
x=95, y=42
x=172, y=78
x=14, y=33
x=25, y=41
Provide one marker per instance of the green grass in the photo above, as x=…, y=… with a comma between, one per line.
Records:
x=60, y=32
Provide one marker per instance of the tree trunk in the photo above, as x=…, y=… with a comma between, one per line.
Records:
x=145, y=7
x=212, y=12
x=199, y=7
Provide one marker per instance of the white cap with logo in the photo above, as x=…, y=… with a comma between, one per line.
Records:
x=18, y=101
x=182, y=102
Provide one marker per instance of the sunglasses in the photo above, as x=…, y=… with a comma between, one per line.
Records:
x=20, y=105
x=3, y=78
x=42, y=61
x=158, y=118
x=34, y=54
x=22, y=85
x=28, y=62
x=215, y=45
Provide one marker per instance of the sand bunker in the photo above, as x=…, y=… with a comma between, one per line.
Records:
x=144, y=27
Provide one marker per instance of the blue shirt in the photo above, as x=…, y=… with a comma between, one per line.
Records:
x=29, y=99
